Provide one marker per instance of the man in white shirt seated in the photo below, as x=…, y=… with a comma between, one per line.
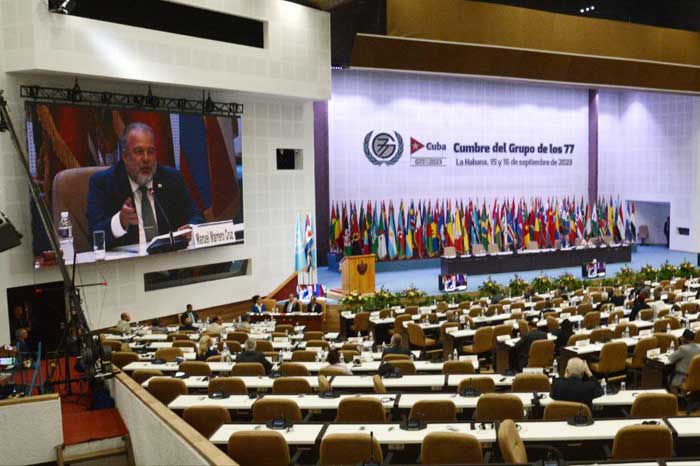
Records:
x=216, y=325
x=124, y=325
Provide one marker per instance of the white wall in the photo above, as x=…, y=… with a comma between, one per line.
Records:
x=50, y=49
x=30, y=431
x=653, y=214
x=649, y=148
x=433, y=108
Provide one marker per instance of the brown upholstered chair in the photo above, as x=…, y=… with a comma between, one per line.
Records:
x=640, y=351
x=360, y=409
x=620, y=330
x=378, y=383
x=599, y=335
x=541, y=354
x=475, y=311
x=642, y=442
x=498, y=407
x=167, y=389
x=398, y=323
x=324, y=385
x=313, y=335
x=584, y=308
x=264, y=346
x=349, y=449
x=114, y=344
x=266, y=409
x=182, y=335
x=483, y=384
x=433, y=411
x=613, y=357
x=576, y=337
x=531, y=383
x=69, y=194
x=501, y=330
x=361, y=323
x=665, y=340
x=330, y=371
x=655, y=405
x=291, y=369
x=450, y=448
x=234, y=346
x=563, y=410
x=396, y=357
x=552, y=324
x=169, y=354
x=214, y=358
x=483, y=342
x=248, y=369
x=258, y=448
x=406, y=367
x=206, y=419
x=290, y=386
x=523, y=327
x=195, y=368
x=122, y=358
x=318, y=344
x=141, y=375
x=591, y=320
x=615, y=316
x=287, y=329
x=511, y=445
x=349, y=355
x=457, y=367
x=304, y=356
x=185, y=344
x=228, y=385
x=417, y=338
x=691, y=387
x=646, y=314
x=240, y=337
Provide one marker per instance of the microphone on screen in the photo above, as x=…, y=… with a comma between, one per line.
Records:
x=153, y=192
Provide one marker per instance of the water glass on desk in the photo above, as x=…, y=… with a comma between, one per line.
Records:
x=98, y=244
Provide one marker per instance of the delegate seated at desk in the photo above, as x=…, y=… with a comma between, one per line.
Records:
x=682, y=357
x=251, y=355
x=577, y=385
x=292, y=304
x=519, y=353
x=258, y=306
x=314, y=307
x=122, y=199
x=395, y=347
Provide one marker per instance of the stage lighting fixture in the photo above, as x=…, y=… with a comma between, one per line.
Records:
x=65, y=7
x=106, y=98
x=75, y=94
x=151, y=100
x=209, y=104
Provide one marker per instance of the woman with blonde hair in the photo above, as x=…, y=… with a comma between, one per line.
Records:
x=206, y=348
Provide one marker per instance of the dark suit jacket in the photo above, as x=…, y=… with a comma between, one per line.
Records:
x=295, y=308
x=109, y=190
x=636, y=307
x=317, y=308
x=576, y=389
x=186, y=314
x=255, y=356
x=187, y=327
x=395, y=350
x=562, y=337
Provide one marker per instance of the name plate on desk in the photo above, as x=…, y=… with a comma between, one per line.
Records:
x=582, y=343
x=653, y=352
x=213, y=234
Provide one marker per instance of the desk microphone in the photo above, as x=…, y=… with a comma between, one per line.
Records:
x=372, y=460
x=165, y=216
x=580, y=419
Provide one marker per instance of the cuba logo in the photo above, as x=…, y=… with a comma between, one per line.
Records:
x=383, y=148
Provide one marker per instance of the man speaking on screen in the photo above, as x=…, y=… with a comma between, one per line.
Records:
x=137, y=199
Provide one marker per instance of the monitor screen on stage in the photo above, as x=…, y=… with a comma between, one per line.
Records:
x=128, y=177
x=448, y=283
x=593, y=269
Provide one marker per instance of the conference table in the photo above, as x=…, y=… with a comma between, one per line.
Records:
x=533, y=260
x=311, y=320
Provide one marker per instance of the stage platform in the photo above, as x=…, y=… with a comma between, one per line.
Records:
x=403, y=274
x=534, y=260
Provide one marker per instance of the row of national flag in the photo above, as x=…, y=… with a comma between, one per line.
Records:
x=424, y=228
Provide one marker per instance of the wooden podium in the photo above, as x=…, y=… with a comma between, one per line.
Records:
x=358, y=273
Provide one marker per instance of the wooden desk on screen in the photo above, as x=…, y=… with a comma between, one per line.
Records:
x=358, y=273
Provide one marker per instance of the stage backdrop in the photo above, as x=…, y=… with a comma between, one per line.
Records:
x=397, y=136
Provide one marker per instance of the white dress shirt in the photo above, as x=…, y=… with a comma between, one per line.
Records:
x=116, y=225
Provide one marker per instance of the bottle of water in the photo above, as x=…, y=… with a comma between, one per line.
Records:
x=672, y=347
x=623, y=386
x=668, y=328
x=65, y=237
x=226, y=354
x=455, y=355
x=627, y=332
x=604, y=386
x=555, y=367
x=280, y=356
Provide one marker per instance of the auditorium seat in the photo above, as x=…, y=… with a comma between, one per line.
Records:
x=541, y=354
x=318, y=344
x=646, y=314
x=258, y=448
x=613, y=357
x=378, y=383
x=361, y=323
x=690, y=389
x=349, y=449
x=122, y=358
x=266, y=409
x=395, y=357
x=511, y=445
x=228, y=385
x=324, y=386
x=665, y=340
x=215, y=358
x=206, y=419
x=591, y=319
x=250, y=369
x=304, y=356
x=270, y=304
x=635, y=364
x=483, y=384
x=433, y=411
x=576, y=337
x=185, y=344
x=450, y=448
x=499, y=407
x=349, y=355
x=563, y=410
x=293, y=369
x=418, y=340
x=290, y=386
x=114, y=344
x=655, y=405
x=398, y=323
x=264, y=346
x=238, y=336
x=482, y=343
x=141, y=375
x=234, y=346
x=642, y=442
x=284, y=328
x=195, y=368
x=313, y=335
x=501, y=330
x=332, y=371
x=601, y=335
x=167, y=389
x=406, y=367
x=457, y=367
x=531, y=383
x=620, y=330
x=360, y=409
x=169, y=354
x=552, y=324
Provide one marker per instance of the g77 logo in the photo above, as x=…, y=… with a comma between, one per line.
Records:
x=383, y=148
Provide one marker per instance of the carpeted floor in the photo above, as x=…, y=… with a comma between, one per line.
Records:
x=426, y=279
x=83, y=425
